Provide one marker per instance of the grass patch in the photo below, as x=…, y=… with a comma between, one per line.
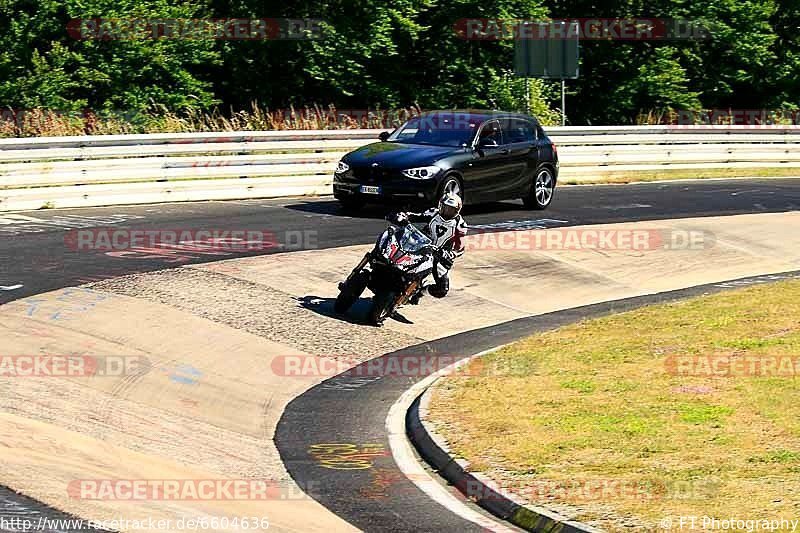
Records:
x=777, y=456
x=580, y=385
x=598, y=402
x=703, y=414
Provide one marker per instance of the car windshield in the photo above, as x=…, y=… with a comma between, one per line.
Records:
x=413, y=239
x=438, y=129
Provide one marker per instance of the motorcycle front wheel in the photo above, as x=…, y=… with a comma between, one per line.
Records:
x=382, y=307
x=350, y=292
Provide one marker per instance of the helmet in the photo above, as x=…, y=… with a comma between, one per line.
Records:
x=450, y=206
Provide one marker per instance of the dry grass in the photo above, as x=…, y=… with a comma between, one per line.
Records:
x=683, y=174
x=46, y=123
x=49, y=123
x=718, y=117
x=595, y=402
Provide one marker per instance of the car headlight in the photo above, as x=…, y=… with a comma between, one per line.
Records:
x=342, y=167
x=421, y=173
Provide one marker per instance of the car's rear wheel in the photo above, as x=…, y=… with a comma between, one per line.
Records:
x=542, y=190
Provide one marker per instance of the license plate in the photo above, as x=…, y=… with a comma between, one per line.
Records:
x=370, y=189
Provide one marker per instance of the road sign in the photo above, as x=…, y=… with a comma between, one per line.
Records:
x=548, y=57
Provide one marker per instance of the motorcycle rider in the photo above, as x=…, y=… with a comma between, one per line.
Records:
x=447, y=229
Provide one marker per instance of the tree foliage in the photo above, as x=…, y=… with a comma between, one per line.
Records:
x=42, y=65
x=378, y=54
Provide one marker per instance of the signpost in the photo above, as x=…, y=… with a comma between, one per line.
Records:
x=552, y=55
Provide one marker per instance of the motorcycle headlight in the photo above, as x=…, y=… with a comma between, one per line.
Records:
x=421, y=173
x=342, y=167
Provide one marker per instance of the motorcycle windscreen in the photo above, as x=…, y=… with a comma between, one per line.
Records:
x=413, y=239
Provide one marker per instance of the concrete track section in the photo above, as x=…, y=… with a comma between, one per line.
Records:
x=215, y=338
x=199, y=404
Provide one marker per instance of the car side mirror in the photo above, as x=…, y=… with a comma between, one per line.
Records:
x=383, y=135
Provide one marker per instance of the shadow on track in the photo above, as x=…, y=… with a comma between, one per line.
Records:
x=324, y=306
x=356, y=315
x=379, y=211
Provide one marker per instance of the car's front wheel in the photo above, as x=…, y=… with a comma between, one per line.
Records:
x=542, y=190
x=451, y=185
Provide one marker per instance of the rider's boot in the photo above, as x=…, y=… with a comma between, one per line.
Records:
x=416, y=297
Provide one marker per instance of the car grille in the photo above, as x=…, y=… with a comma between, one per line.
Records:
x=370, y=174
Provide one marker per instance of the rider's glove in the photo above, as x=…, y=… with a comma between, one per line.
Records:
x=401, y=219
x=446, y=259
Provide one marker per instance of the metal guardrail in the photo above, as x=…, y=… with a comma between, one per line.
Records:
x=123, y=169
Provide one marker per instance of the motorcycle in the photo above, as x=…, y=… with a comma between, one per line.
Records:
x=394, y=270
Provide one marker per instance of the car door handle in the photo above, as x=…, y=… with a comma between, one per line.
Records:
x=505, y=151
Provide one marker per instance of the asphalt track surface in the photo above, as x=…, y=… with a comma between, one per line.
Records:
x=34, y=254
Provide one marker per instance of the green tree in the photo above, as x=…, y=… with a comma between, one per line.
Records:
x=41, y=64
x=457, y=72
x=660, y=84
x=388, y=54
x=733, y=68
x=508, y=93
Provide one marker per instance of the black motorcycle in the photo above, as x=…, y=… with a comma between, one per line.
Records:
x=394, y=270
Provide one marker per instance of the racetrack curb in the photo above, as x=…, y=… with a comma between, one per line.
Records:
x=503, y=505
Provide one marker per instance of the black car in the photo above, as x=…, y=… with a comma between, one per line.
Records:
x=483, y=156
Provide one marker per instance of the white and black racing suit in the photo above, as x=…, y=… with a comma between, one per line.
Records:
x=448, y=237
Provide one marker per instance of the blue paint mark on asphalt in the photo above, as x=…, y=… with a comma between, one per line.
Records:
x=33, y=306
x=183, y=374
x=68, y=302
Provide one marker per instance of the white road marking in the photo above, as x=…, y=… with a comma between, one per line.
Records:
x=519, y=225
x=19, y=219
x=11, y=287
x=21, y=224
x=617, y=207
